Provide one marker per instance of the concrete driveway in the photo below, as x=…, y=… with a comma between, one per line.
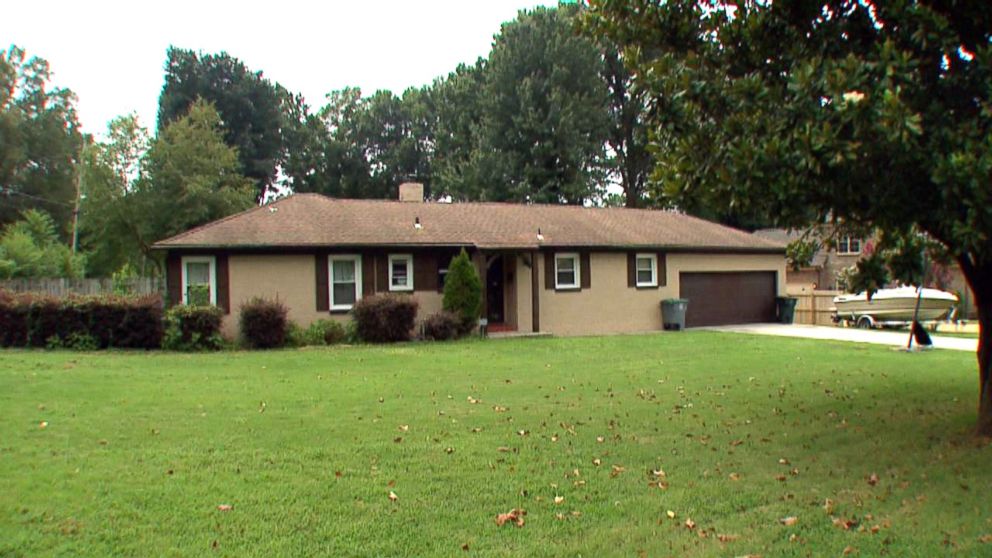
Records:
x=878, y=337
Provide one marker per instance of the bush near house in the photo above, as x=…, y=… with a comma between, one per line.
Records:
x=385, y=318
x=82, y=322
x=263, y=323
x=463, y=291
x=318, y=334
x=441, y=326
x=193, y=328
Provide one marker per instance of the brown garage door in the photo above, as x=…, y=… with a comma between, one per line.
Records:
x=728, y=298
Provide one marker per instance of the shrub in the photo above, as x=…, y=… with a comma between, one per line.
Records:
x=83, y=322
x=326, y=332
x=263, y=323
x=385, y=318
x=193, y=328
x=463, y=291
x=441, y=326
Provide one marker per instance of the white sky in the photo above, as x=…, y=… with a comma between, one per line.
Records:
x=111, y=53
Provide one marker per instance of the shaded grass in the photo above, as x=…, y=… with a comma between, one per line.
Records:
x=306, y=445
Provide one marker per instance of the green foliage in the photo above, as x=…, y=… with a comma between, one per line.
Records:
x=463, y=291
x=193, y=328
x=263, y=323
x=31, y=247
x=40, y=141
x=249, y=105
x=123, y=279
x=800, y=252
x=319, y=333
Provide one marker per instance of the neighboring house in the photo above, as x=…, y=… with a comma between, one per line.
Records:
x=822, y=271
x=827, y=262
x=565, y=270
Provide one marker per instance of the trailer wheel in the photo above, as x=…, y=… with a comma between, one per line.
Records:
x=865, y=322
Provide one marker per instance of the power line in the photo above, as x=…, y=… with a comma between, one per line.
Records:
x=10, y=191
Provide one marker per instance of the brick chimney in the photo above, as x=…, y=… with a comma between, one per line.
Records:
x=411, y=192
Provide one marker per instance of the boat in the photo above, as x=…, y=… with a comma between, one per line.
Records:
x=894, y=306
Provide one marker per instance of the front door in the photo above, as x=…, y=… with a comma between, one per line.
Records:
x=494, y=291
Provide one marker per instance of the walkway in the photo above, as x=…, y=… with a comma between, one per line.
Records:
x=878, y=337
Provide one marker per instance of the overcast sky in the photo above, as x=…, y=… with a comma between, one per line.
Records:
x=111, y=53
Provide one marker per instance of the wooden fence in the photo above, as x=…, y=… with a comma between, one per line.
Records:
x=813, y=306
x=63, y=287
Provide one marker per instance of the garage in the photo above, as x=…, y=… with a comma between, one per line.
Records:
x=724, y=298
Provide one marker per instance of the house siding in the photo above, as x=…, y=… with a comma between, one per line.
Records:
x=609, y=305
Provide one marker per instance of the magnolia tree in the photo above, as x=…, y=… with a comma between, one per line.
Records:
x=874, y=115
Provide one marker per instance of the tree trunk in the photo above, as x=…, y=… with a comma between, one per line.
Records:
x=980, y=280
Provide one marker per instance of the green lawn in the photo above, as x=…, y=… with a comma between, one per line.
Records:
x=306, y=445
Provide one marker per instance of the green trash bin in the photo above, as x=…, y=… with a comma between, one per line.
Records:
x=673, y=313
x=785, y=309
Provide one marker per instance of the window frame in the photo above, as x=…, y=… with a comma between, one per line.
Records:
x=357, y=259
x=846, y=242
x=577, y=268
x=408, y=258
x=183, y=277
x=653, y=258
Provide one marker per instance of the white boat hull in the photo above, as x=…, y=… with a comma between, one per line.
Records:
x=895, y=305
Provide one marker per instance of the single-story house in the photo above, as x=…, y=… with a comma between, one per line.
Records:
x=565, y=270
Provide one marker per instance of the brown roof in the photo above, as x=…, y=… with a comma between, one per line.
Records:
x=305, y=220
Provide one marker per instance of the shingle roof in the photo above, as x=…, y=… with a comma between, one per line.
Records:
x=312, y=220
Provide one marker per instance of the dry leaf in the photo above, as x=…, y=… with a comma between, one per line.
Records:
x=849, y=550
x=734, y=476
x=659, y=473
x=500, y=409
x=559, y=499
x=985, y=539
x=780, y=478
x=783, y=461
x=828, y=506
x=503, y=449
x=554, y=437
x=690, y=524
x=449, y=451
x=398, y=439
x=392, y=496
x=43, y=424
x=225, y=507
x=338, y=474
x=670, y=514
x=465, y=547
x=514, y=516
x=404, y=427
x=617, y=469
x=600, y=439
x=727, y=538
x=789, y=521
x=873, y=479
x=844, y=524
x=523, y=432
x=597, y=462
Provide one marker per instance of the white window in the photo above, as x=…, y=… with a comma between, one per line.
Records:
x=567, y=272
x=401, y=272
x=199, y=280
x=849, y=245
x=646, y=269
x=346, y=281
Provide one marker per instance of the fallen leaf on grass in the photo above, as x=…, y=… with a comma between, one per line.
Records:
x=985, y=539
x=659, y=473
x=500, y=409
x=843, y=523
x=690, y=524
x=338, y=474
x=597, y=462
x=404, y=427
x=849, y=550
x=600, y=439
x=43, y=424
x=398, y=439
x=727, y=538
x=783, y=461
x=780, y=478
x=873, y=479
x=225, y=507
x=617, y=469
x=392, y=496
x=789, y=521
x=465, y=547
x=734, y=476
x=514, y=517
x=670, y=514
x=449, y=450
x=559, y=499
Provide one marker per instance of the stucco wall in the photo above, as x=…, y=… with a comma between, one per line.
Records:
x=291, y=279
x=610, y=306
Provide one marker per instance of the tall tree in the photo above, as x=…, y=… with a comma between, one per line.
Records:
x=543, y=111
x=874, y=114
x=111, y=220
x=250, y=107
x=457, y=101
x=40, y=141
x=627, y=141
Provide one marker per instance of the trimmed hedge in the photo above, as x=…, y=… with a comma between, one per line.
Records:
x=385, y=318
x=320, y=332
x=263, y=323
x=193, y=328
x=36, y=320
x=441, y=326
